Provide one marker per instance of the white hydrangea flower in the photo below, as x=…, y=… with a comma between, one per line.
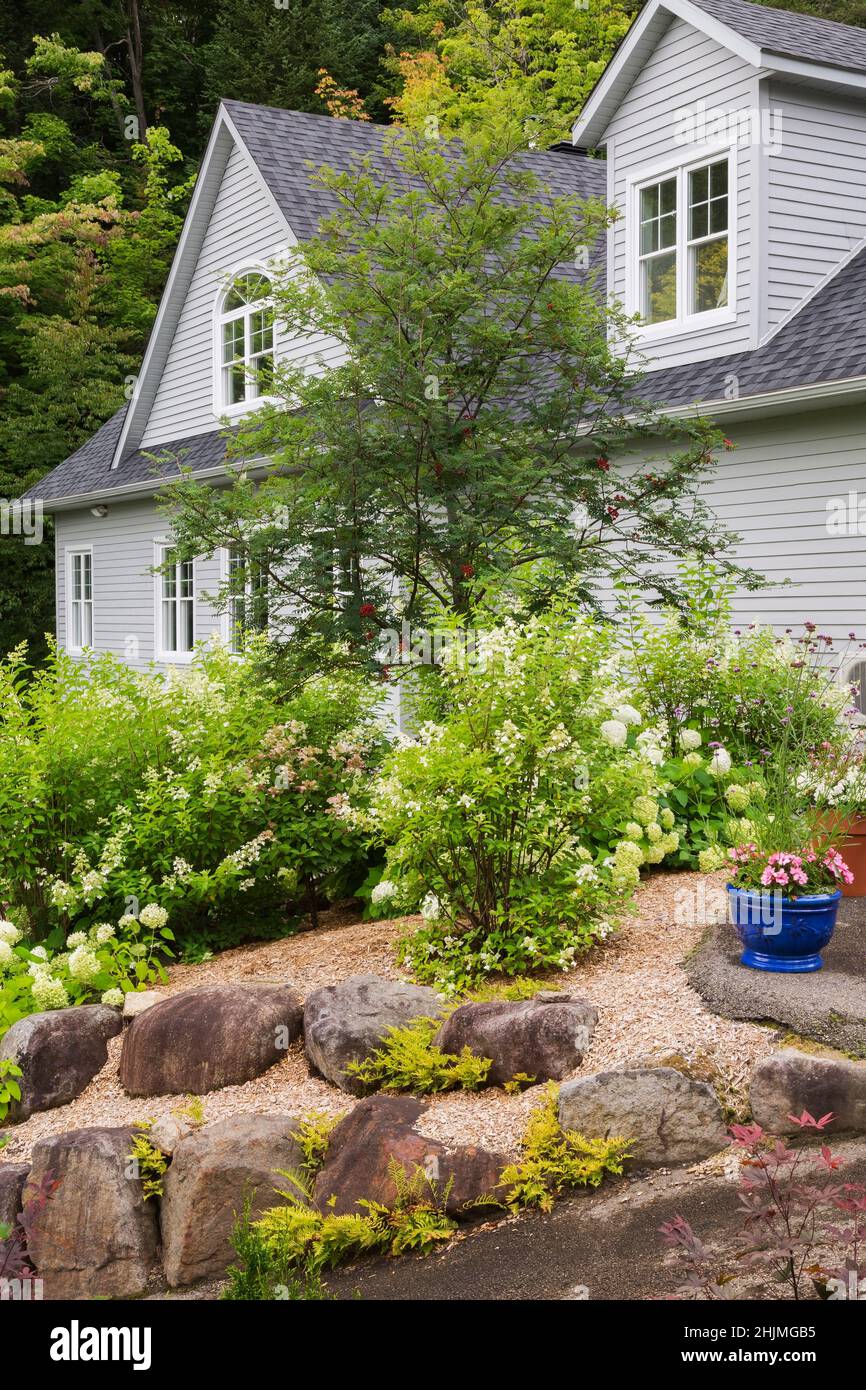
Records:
x=6, y=955
x=39, y=951
x=383, y=891
x=76, y=938
x=9, y=933
x=83, y=964
x=128, y=919
x=690, y=739
x=627, y=714
x=48, y=993
x=431, y=908
x=614, y=732
x=113, y=998
x=103, y=933
x=720, y=763
x=153, y=916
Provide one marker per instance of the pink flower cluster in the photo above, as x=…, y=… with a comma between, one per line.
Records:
x=783, y=868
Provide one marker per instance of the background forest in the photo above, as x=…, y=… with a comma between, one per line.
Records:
x=105, y=107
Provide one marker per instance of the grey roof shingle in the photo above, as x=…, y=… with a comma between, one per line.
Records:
x=792, y=35
x=89, y=471
x=825, y=341
x=288, y=146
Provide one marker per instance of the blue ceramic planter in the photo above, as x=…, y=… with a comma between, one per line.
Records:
x=783, y=934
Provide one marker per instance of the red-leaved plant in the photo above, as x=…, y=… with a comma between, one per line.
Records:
x=802, y=1231
x=14, y=1263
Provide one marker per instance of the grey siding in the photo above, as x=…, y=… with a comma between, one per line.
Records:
x=775, y=490
x=124, y=599
x=815, y=206
x=245, y=227
x=685, y=68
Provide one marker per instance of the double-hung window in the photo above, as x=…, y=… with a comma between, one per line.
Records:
x=248, y=598
x=683, y=244
x=176, y=616
x=80, y=600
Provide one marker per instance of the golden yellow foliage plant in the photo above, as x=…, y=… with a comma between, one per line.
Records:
x=552, y=1159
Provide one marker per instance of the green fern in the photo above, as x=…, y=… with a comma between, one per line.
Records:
x=553, y=1160
x=521, y=987
x=314, y=1136
x=409, y=1060
x=150, y=1164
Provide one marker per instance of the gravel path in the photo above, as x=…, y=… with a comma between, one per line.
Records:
x=647, y=1009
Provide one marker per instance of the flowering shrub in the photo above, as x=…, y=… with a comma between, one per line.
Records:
x=100, y=965
x=518, y=816
x=745, y=689
x=813, y=871
x=715, y=802
x=202, y=792
x=799, y=1234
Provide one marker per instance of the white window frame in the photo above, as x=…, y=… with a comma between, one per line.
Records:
x=678, y=167
x=221, y=404
x=163, y=653
x=72, y=554
x=229, y=622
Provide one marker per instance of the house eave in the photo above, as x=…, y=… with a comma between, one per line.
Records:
x=818, y=395
x=133, y=492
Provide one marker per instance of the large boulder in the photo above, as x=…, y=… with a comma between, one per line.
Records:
x=380, y=1132
x=12, y=1179
x=203, y=1039
x=95, y=1236
x=788, y=1082
x=670, y=1118
x=59, y=1052
x=347, y=1022
x=545, y=1037
x=213, y=1172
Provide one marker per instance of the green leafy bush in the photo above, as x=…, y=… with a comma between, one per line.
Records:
x=203, y=792
x=409, y=1060
x=716, y=809
x=744, y=689
x=102, y=964
x=10, y=1089
x=506, y=818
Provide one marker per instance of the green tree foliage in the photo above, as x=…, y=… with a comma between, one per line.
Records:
x=476, y=61
x=474, y=420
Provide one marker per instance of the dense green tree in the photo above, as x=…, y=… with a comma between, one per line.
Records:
x=476, y=62
x=472, y=449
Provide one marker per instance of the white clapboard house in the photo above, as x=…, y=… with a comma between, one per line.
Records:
x=734, y=142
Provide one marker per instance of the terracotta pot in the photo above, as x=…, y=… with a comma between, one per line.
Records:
x=852, y=847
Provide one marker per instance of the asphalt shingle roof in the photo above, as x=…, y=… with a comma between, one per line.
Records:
x=792, y=35
x=825, y=341
x=89, y=469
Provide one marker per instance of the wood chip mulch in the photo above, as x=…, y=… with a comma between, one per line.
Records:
x=646, y=1007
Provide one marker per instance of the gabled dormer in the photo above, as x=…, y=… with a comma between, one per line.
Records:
x=735, y=138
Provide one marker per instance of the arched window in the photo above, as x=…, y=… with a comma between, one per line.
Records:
x=247, y=339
